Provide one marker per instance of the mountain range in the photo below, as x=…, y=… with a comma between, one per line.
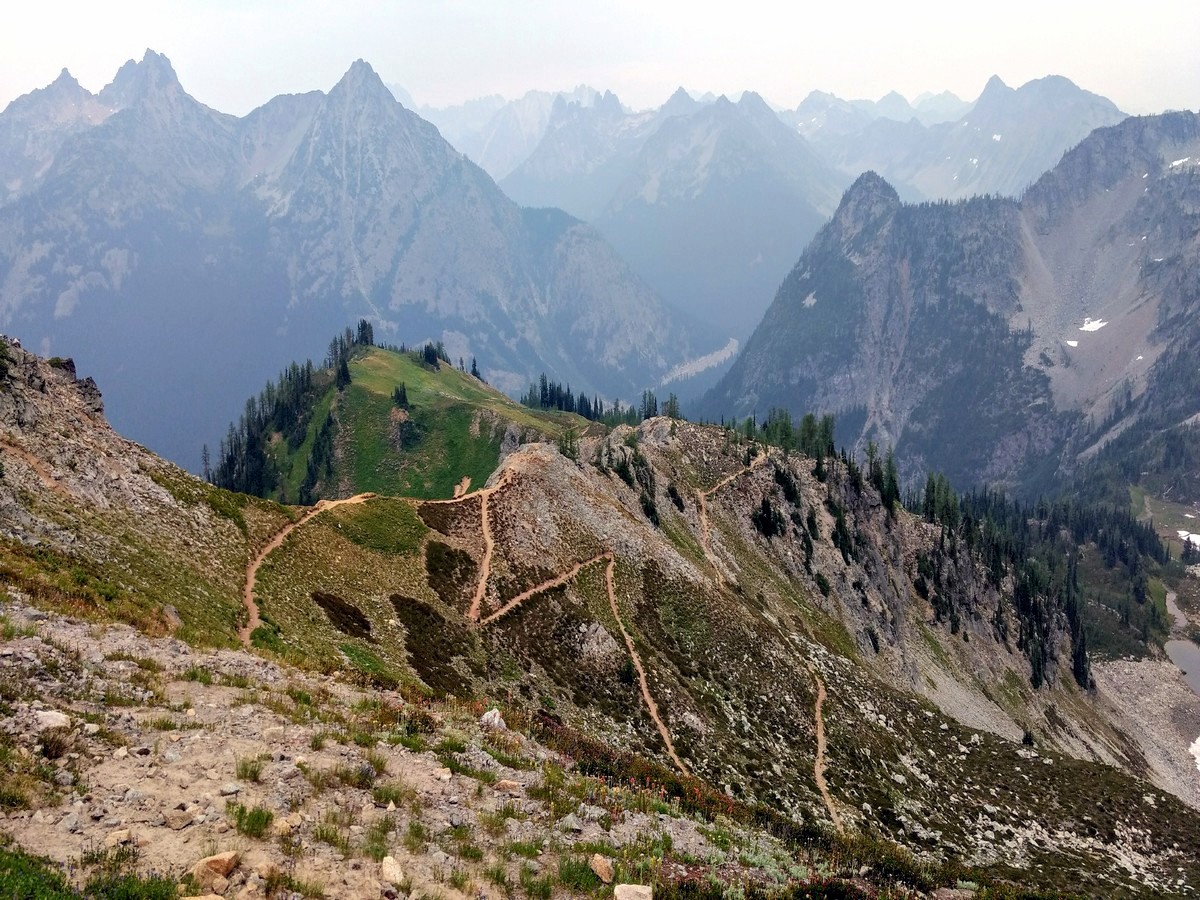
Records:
x=1000, y=145
x=711, y=202
x=222, y=247
x=998, y=340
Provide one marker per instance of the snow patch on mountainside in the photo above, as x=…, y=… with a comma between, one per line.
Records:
x=694, y=367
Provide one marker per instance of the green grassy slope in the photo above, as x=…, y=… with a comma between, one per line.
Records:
x=453, y=428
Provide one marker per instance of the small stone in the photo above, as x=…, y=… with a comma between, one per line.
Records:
x=493, y=720
x=633, y=892
x=232, y=789
x=899, y=779
x=570, y=822
x=177, y=819
x=120, y=753
x=91, y=728
x=602, y=866
x=390, y=871
x=63, y=778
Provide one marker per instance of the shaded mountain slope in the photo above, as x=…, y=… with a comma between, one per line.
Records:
x=220, y=247
x=716, y=207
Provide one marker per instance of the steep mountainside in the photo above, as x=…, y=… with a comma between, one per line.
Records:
x=34, y=127
x=587, y=150
x=510, y=133
x=716, y=208
x=1001, y=145
x=181, y=247
x=618, y=598
x=996, y=340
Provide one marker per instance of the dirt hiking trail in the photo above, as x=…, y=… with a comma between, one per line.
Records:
x=702, y=506
x=643, y=683
x=253, y=621
x=819, y=760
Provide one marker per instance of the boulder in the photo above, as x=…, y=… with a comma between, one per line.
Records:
x=212, y=872
x=116, y=838
x=51, y=718
x=390, y=871
x=633, y=892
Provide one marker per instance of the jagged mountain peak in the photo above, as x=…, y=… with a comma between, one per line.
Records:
x=995, y=86
x=680, y=103
x=609, y=104
x=752, y=100
x=362, y=83
x=65, y=80
x=137, y=81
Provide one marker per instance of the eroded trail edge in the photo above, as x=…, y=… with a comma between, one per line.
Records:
x=253, y=620
x=819, y=760
x=489, y=544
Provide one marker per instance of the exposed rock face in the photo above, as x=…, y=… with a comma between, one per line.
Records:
x=992, y=339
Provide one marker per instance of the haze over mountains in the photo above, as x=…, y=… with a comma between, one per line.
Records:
x=223, y=247
x=713, y=213
x=184, y=255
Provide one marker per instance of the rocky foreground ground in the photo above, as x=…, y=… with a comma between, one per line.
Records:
x=237, y=777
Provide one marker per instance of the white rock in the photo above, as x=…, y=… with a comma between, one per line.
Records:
x=633, y=892
x=492, y=719
x=51, y=718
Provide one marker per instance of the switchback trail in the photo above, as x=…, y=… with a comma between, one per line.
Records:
x=819, y=760
x=253, y=621
x=485, y=567
x=489, y=545
x=702, y=506
x=647, y=697
x=546, y=586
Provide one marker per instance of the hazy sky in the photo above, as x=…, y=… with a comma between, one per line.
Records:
x=236, y=54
